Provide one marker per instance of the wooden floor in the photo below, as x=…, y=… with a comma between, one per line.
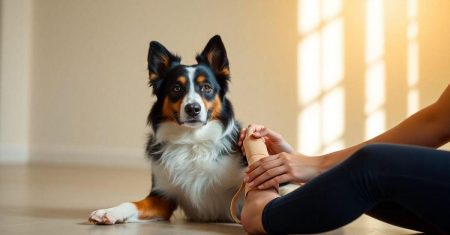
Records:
x=44, y=199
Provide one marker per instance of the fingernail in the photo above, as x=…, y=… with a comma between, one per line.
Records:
x=261, y=187
x=251, y=183
x=246, y=179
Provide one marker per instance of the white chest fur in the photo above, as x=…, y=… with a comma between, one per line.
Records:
x=192, y=171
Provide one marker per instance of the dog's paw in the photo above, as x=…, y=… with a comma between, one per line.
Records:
x=125, y=212
x=106, y=216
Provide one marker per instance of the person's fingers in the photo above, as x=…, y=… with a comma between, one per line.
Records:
x=275, y=182
x=242, y=136
x=258, y=163
x=254, y=128
x=266, y=132
x=260, y=133
x=268, y=175
x=264, y=165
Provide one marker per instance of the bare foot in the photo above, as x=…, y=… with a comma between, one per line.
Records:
x=251, y=215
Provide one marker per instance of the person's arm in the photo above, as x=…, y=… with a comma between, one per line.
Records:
x=428, y=127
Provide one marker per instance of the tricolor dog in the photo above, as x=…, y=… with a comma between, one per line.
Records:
x=196, y=162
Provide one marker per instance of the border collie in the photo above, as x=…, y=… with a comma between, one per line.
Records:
x=196, y=163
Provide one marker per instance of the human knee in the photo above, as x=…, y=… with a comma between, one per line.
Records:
x=368, y=158
x=371, y=153
x=373, y=149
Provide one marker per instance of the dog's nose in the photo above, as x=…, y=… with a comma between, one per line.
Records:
x=193, y=109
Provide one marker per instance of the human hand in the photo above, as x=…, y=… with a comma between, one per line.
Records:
x=282, y=168
x=275, y=143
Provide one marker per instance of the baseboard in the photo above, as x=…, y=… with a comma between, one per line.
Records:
x=89, y=156
x=13, y=154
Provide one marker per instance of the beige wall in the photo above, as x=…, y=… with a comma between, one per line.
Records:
x=15, y=66
x=89, y=96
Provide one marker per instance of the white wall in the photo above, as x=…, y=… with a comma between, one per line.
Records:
x=84, y=99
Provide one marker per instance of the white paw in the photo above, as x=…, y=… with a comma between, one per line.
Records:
x=125, y=212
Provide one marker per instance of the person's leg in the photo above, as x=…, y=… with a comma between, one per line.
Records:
x=395, y=214
x=416, y=179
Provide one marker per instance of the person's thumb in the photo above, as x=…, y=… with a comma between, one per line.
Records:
x=261, y=133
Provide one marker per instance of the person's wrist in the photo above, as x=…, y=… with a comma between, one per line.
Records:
x=312, y=166
x=287, y=148
x=323, y=164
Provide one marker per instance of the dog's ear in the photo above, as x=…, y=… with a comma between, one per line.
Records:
x=215, y=56
x=159, y=61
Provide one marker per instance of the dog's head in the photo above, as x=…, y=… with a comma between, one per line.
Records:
x=190, y=95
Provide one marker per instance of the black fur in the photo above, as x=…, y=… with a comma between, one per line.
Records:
x=212, y=63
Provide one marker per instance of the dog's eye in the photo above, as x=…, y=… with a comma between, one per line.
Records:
x=206, y=88
x=176, y=88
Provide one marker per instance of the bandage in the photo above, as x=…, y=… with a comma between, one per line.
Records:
x=255, y=150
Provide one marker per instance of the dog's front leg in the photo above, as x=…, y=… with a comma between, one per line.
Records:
x=153, y=207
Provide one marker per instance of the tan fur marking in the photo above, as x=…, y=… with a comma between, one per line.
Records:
x=225, y=72
x=210, y=59
x=182, y=80
x=152, y=76
x=167, y=110
x=210, y=56
x=165, y=61
x=201, y=79
x=176, y=106
x=155, y=207
x=215, y=106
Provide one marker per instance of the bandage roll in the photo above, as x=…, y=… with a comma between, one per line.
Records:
x=255, y=148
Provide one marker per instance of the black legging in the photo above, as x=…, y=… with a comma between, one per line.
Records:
x=402, y=185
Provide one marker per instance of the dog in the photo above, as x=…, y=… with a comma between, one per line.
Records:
x=196, y=162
